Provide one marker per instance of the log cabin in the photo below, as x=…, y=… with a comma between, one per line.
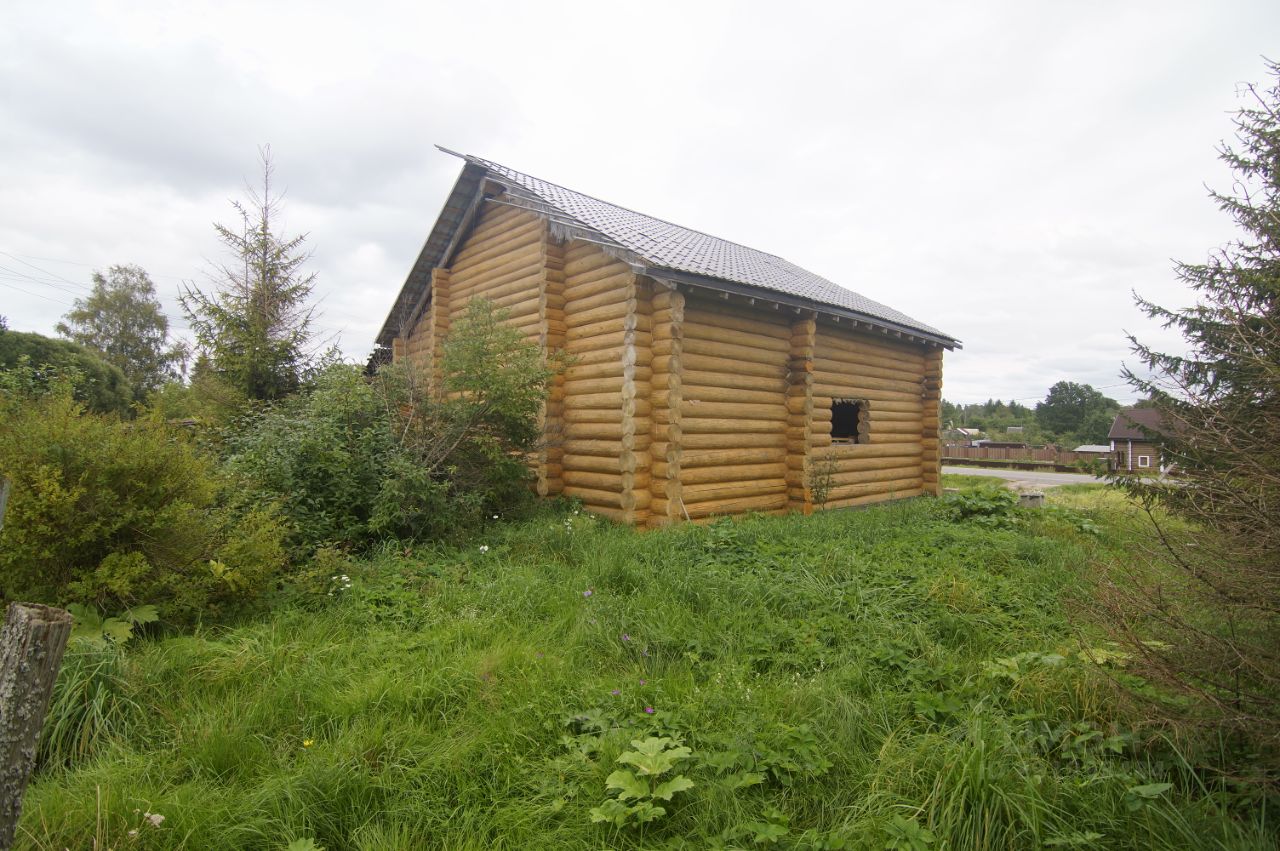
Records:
x=706, y=378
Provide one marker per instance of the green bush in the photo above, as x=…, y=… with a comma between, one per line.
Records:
x=36, y=362
x=352, y=460
x=113, y=514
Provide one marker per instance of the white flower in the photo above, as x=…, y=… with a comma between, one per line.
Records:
x=133, y=834
x=155, y=818
x=484, y=548
x=495, y=517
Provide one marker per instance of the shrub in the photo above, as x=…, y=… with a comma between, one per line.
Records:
x=351, y=461
x=113, y=514
x=36, y=362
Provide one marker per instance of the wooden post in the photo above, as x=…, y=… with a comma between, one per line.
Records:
x=800, y=415
x=31, y=647
x=931, y=456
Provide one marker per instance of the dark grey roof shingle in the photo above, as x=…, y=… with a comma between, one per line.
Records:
x=668, y=246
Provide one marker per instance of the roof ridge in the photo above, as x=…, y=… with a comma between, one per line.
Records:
x=488, y=163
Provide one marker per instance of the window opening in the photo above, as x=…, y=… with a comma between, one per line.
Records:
x=1144, y=460
x=848, y=421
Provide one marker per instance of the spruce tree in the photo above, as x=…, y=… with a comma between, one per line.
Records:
x=1214, y=604
x=253, y=330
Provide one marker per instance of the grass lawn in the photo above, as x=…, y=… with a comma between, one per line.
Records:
x=884, y=678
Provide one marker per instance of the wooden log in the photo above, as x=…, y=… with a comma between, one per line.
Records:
x=593, y=431
x=740, y=505
x=594, y=497
x=867, y=365
x=723, y=350
x=704, y=394
x=722, y=440
x=703, y=323
x=913, y=406
x=615, y=293
x=875, y=464
x=592, y=415
x=730, y=380
x=596, y=480
x=712, y=425
x=608, y=286
x=870, y=499
x=503, y=267
x=844, y=391
x=31, y=646
x=730, y=473
x=495, y=244
x=874, y=450
x=604, y=448
x=581, y=260
x=594, y=464
x=908, y=483
x=865, y=344
x=863, y=383
x=696, y=408
x=707, y=363
x=889, y=474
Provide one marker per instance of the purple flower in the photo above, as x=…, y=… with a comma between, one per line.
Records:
x=626, y=637
x=648, y=710
x=588, y=592
x=644, y=682
x=616, y=692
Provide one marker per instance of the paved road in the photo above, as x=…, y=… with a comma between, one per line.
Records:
x=1029, y=477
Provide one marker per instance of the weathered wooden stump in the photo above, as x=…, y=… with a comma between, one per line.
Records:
x=31, y=647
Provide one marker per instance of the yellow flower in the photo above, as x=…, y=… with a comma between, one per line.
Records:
x=306, y=743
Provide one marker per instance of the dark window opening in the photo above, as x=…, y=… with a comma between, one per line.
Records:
x=848, y=421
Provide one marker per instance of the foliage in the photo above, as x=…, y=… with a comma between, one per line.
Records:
x=1078, y=411
x=455, y=698
x=90, y=706
x=92, y=628
x=644, y=784
x=113, y=514
x=32, y=364
x=987, y=505
x=1219, y=618
x=253, y=329
x=352, y=462
x=122, y=319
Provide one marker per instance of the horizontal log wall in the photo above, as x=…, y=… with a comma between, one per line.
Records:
x=504, y=260
x=606, y=407
x=720, y=411
x=890, y=377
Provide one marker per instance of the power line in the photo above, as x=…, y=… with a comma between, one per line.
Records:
x=37, y=295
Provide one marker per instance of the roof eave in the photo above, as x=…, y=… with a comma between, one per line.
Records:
x=763, y=293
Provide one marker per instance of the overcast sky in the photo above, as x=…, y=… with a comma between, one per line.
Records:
x=1007, y=172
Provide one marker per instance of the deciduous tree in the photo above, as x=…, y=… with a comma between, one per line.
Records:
x=122, y=318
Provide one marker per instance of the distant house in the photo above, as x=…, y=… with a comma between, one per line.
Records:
x=1094, y=449
x=707, y=378
x=1001, y=444
x=1134, y=435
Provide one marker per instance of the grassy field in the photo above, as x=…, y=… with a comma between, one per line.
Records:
x=898, y=677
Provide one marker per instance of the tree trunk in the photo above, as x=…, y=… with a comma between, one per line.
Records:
x=31, y=647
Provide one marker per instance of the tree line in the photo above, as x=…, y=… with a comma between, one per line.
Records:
x=1070, y=414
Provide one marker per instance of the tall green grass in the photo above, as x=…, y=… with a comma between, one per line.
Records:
x=849, y=679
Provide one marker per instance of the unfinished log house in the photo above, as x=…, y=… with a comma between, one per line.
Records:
x=707, y=378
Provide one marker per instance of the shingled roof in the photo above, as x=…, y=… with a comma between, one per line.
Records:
x=653, y=246
x=1136, y=424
